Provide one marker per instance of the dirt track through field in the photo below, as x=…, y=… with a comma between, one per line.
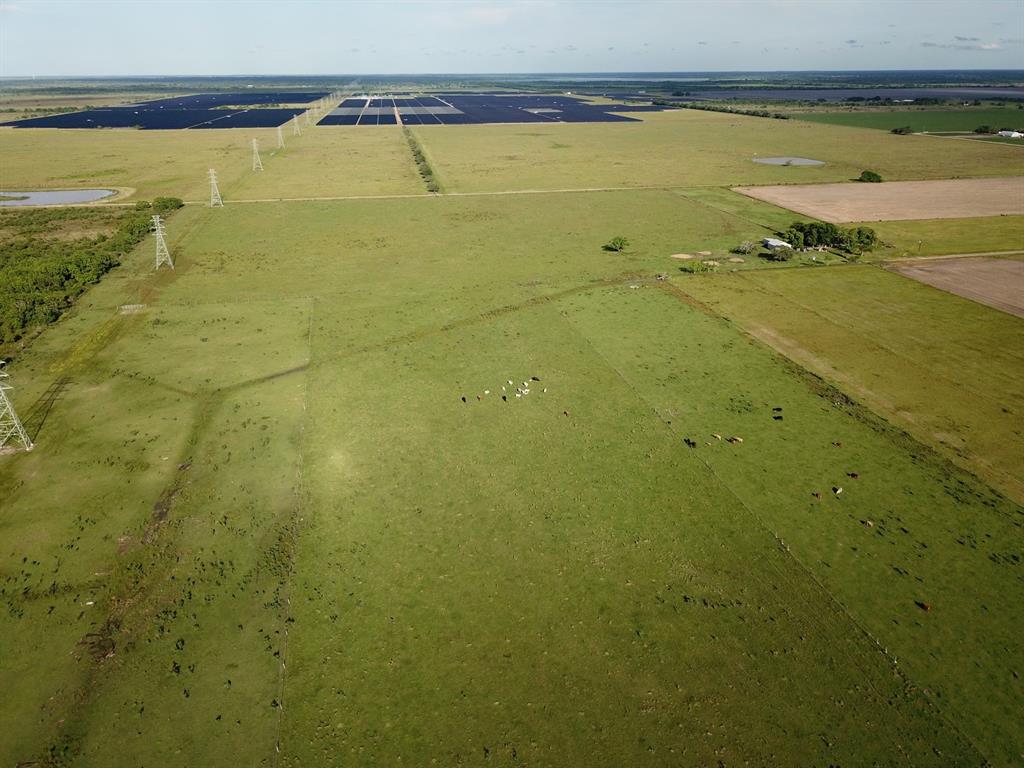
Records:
x=898, y=200
x=996, y=283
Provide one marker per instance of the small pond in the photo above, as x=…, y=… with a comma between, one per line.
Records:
x=787, y=161
x=54, y=196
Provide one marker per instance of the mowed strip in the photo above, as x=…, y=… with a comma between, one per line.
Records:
x=998, y=283
x=898, y=201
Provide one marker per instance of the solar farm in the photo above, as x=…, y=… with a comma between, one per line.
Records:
x=495, y=436
x=210, y=110
x=477, y=108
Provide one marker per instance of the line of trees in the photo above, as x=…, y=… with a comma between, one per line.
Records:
x=422, y=164
x=722, y=108
x=814, y=234
x=41, y=276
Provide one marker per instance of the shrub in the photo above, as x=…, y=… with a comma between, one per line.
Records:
x=697, y=267
x=902, y=130
x=616, y=244
x=745, y=247
x=984, y=129
x=167, y=204
x=779, y=254
x=869, y=176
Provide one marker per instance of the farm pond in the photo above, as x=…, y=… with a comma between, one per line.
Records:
x=54, y=196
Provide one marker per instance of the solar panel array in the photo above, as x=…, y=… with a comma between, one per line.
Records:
x=202, y=110
x=475, y=108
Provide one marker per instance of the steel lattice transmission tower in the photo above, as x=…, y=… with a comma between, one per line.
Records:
x=215, y=199
x=163, y=256
x=10, y=425
x=257, y=164
x=296, y=130
x=280, y=138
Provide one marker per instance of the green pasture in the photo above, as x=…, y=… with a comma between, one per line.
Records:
x=879, y=336
x=939, y=237
x=919, y=120
x=688, y=148
x=302, y=547
x=321, y=162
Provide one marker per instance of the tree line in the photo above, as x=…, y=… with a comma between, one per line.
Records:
x=41, y=275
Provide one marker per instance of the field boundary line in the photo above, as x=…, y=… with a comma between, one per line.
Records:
x=295, y=526
x=428, y=195
x=951, y=459
x=808, y=574
x=886, y=263
x=833, y=322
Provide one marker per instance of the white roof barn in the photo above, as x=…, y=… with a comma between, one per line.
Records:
x=772, y=242
x=1012, y=134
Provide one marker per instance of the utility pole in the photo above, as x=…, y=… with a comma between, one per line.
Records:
x=10, y=424
x=163, y=256
x=215, y=200
x=257, y=164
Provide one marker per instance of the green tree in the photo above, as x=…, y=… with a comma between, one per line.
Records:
x=869, y=176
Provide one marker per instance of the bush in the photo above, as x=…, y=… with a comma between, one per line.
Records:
x=167, y=204
x=744, y=248
x=902, y=130
x=779, y=254
x=697, y=267
x=616, y=244
x=984, y=129
x=869, y=176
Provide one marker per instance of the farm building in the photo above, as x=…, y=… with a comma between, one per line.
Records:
x=1012, y=134
x=773, y=242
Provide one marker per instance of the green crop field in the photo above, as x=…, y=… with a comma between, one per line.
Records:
x=919, y=120
x=297, y=508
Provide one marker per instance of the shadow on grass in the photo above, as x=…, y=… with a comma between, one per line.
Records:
x=40, y=410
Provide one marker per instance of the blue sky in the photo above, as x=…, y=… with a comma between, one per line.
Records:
x=220, y=37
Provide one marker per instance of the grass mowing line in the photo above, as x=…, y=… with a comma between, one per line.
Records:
x=293, y=529
x=132, y=594
x=887, y=263
x=118, y=626
x=639, y=187
x=778, y=349
x=875, y=342
x=682, y=193
x=818, y=587
x=809, y=378
x=482, y=317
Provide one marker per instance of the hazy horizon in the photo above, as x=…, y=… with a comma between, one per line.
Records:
x=87, y=38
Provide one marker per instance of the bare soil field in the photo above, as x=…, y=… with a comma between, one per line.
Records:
x=898, y=200
x=997, y=283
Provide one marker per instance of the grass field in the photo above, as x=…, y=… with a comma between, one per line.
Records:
x=320, y=162
x=295, y=522
x=932, y=120
x=688, y=148
x=877, y=335
x=936, y=237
